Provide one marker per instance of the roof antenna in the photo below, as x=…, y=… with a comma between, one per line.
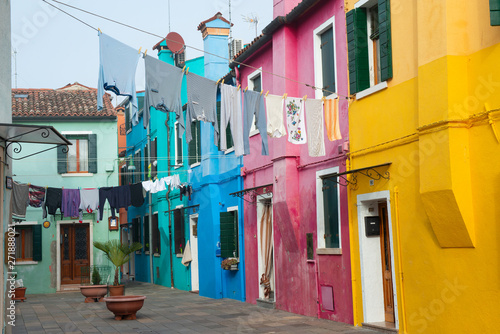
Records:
x=252, y=19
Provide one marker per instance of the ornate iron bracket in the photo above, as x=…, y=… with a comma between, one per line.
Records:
x=253, y=193
x=19, y=148
x=374, y=175
x=371, y=172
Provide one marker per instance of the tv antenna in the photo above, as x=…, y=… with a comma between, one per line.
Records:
x=253, y=19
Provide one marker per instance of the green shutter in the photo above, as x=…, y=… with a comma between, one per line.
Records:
x=93, y=153
x=229, y=234
x=146, y=233
x=331, y=213
x=179, y=237
x=127, y=117
x=357, y=46
x=37, y=242
x=328, y=62
x=192, y=144
x=384, y=19
x=495, y=12
x=62, y=158
x=156, y=235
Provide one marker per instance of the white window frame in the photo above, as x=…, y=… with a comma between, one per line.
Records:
x=320, y=219
x=318, y=65
x=250, y=85
x=235, y=208
x=176, y=141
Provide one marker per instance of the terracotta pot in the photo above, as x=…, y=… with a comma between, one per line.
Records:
x=19, y=294
x=94, y=293
x=116, y=290
x=124, y=307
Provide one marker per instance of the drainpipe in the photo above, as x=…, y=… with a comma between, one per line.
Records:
x=353, y=263
x=169, y=204
x=316, y=265
x=400, y=260
x=150, y=220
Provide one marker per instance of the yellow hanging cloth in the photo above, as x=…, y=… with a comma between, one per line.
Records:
x=332, y=119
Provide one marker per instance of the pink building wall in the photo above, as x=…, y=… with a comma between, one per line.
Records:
x=290, y=53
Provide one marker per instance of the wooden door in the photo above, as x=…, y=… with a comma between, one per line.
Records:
x=75, y=252
x=385, y=246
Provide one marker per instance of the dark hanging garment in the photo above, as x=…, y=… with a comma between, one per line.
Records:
x=20, y=199
x=53, y=201
x=136, y=194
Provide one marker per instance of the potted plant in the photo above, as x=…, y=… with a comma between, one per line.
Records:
x=230, y=264
x=96, y=291
x=19, y=290
x=118, y=254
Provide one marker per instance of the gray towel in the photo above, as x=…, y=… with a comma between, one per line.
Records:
x=20, y=199
x=202, y=103
x=163, y=90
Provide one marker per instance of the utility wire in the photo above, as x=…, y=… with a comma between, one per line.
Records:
x=188, y=46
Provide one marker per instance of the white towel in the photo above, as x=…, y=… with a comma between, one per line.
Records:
x=275, y=123
x=186, y=256
x=315, y=131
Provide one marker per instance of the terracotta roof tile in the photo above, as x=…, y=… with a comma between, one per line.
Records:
x=68, y=101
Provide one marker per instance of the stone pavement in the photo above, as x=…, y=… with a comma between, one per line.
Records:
x=165, y=311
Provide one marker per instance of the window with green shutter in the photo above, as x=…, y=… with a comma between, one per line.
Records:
x=369, y=45
x=80, y=157
x=29, y=243
x=229, y=234
x=136, y=229
x=178, y=145
x=156, y=235
x=194, y=146
x=179, y=231
x=146, y=233
x=495, y=12
x=331, y=213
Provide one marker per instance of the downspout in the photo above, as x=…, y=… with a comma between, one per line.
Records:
x=150, y=205
x=351, y=242
x=318, y=301
x=400, y=261
x=169, y=204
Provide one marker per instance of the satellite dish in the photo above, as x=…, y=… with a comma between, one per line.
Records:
x=175, y=42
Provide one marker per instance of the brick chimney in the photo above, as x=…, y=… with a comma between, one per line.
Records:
x=215, y=32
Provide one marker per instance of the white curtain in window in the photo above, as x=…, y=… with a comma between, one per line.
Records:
x=84, y=155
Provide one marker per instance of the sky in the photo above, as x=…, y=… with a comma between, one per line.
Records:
x=54, y=49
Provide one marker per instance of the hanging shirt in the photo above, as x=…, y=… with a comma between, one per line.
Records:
x=295, y=121
x=89, y=202
x=70, y=202
x=315, y=132
x=20, y=199
x=163, y=90
x=147, y=185
x=136, y=195
x=275, y=123
x=230, y=112
x=53, y=201
x=332, y=119
x=254, y=107
x=36, y=196
x=117, y=66
x=201, y=106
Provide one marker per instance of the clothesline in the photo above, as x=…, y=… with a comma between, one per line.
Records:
x=186, y=45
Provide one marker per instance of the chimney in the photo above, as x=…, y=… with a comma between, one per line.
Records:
x=215, y=32
x=283, y=7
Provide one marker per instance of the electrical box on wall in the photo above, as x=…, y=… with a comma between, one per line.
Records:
x=372, y=226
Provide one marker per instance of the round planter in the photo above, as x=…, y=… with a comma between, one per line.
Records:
x=94, y=293
x=124, y=307
x=19, y=294
x=116, y=290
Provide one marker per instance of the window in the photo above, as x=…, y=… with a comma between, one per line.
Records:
x=324, y=59
x=229, y=137
x=146, y=234
x=156, y=235
x=229, y=233
x=178, y=146
x=130, y=173
x=136, y=229
x=81, y=156
x=495, y=12
x=194, y=146
x=327, y=209
x=29, y=243
x=128, y=121
x=369, y=44
x=123, y=175
x=255, y=84
x=146, y=163
x=179, y=237
x=138, y=167
x=154, y=162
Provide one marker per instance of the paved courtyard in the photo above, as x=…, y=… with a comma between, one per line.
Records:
x=165, y=311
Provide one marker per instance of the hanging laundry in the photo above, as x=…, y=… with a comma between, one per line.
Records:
x=20, y=199
x=332, y=119
x=158, y=185
x=70, y=202
x=136, y=195
x=201, y=106
x=89, y=202
x=36, y=196
x=186, y=255
x=147, y=185
x=315, y=132
x=163, y=90
x=107, y=193
x=185, y=190
x=254, y=107
x=117, y=66
x=295, y=120
x=175, y=182
x=53, y=201
x=123, y=198
x=230, y=112
x=275, y=122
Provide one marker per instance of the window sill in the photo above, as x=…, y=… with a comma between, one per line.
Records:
x=371, y=90
x=77, y=174
x=25, y=263
x=156, y=254
x=178, y=255
x=329, y=251
x=178, y=166
x=195, y=164
x=229, y=150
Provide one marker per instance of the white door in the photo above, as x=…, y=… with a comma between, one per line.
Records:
x=193, y=240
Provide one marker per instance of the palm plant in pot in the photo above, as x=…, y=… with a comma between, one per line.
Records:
x=118, y=254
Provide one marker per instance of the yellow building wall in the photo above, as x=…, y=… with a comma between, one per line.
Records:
x=437, y=122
